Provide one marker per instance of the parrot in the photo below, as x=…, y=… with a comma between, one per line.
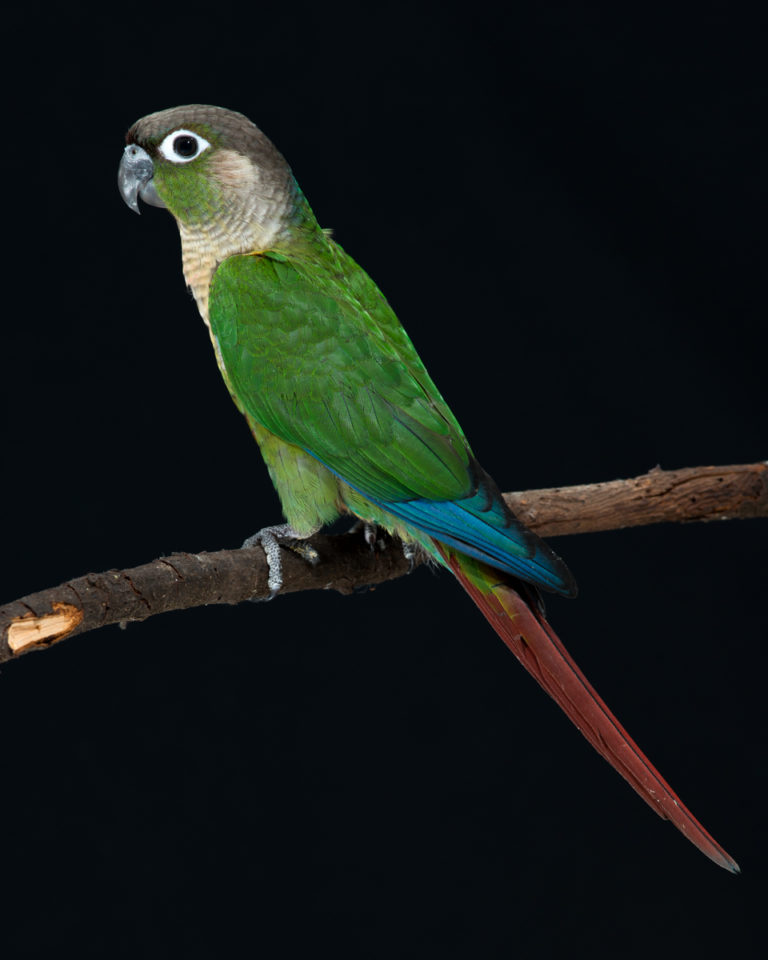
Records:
x=348, y=421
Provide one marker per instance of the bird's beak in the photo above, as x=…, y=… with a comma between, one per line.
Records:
x=134, y=178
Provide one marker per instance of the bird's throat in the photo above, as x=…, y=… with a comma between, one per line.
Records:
x=203, y=248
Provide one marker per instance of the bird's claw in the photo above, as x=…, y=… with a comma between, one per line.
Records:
x=370, y=534
x=270, y=539
x=409, y=552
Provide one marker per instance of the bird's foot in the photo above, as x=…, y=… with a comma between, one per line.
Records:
x=270, y=539
x=369, y=533
x=409, y=552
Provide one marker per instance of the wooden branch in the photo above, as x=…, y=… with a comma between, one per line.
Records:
x=659, y=496
x=186, y=580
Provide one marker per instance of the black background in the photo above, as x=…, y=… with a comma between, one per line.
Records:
x=567, y=207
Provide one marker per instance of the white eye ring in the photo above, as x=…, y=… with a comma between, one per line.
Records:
x=176, y=145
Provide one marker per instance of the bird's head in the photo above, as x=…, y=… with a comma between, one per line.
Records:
x=206, y=164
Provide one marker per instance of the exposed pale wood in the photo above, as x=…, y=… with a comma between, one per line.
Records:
x=30, y=631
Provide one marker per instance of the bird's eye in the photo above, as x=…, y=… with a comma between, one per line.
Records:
x=181, y=146
x=184, y=146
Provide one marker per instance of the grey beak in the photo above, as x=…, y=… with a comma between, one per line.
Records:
x=134, y=178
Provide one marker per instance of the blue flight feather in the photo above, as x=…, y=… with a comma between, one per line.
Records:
x=493, y=536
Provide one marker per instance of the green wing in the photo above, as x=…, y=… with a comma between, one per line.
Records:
x=312, y=351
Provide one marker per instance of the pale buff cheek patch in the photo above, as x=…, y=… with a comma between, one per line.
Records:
x=232, y=169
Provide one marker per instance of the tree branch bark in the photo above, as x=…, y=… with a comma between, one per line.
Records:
x=186, y=580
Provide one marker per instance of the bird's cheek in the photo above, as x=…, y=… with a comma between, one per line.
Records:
x=188, y=197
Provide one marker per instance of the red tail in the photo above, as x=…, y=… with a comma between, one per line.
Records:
x=537, y=647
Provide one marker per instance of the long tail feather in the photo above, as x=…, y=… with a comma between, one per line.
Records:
x=537, y=647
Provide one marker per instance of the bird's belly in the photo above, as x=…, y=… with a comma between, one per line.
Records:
x=312, y=496
x=309, y=493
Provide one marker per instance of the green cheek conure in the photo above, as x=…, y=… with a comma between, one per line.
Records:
x=344, y=411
